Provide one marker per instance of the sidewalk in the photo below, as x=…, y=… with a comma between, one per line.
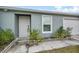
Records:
x=43, y=46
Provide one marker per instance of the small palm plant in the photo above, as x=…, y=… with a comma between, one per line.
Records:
x=62, y=33
x=35, y=37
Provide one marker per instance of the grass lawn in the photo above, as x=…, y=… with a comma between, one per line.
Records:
x=69, y=49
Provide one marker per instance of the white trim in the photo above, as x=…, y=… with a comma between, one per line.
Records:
x=50, y=24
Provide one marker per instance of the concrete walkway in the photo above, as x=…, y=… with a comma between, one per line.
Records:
x=76, y=37
x=43, y=46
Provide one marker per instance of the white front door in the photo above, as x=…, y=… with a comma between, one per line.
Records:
x=74, y=24
x=24, y=22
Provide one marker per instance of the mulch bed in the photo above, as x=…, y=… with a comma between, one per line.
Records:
x=3, y=46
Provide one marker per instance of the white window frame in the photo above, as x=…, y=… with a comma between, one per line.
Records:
x=43, y=26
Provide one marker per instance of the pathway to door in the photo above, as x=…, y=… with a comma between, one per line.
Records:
x=43, y=46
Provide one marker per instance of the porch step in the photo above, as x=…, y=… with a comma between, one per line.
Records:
x=22, y=40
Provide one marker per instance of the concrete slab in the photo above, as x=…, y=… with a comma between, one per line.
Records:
x=48, y=45
x=43, y=46
x=76, y=37
x=72, y=42
x=18, y=49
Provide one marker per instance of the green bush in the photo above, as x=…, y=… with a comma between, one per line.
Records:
x=68, y=32
x=62, y=33
x=35, y=37
x=6, y=36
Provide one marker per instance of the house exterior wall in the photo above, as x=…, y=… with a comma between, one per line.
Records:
x=0, y=19
x=36, y=23
x=7, y=20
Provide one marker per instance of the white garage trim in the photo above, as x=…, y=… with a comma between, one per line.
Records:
x=71, y=18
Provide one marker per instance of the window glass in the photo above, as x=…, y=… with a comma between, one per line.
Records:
x=47, y=28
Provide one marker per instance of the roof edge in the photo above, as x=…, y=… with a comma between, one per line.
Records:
x=38, y=11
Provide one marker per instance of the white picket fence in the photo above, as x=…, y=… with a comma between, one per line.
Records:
x=9, y=46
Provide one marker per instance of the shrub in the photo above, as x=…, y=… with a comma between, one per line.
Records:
x=68, y=32
x=6, y=36
x=62, y=33
x=35, y=37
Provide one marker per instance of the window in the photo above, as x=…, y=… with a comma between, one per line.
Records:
x=46, y=27
x=46, y=24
